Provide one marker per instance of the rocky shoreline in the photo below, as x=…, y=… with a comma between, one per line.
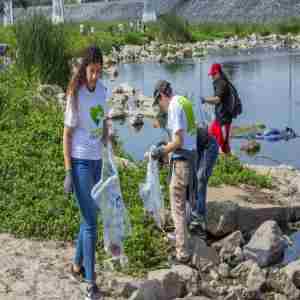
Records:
x=242, y=260
x=168, y=53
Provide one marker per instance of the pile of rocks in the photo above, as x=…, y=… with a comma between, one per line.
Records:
x=162, y=52
x=285, y=178
x=126, y=100
x=228, y=269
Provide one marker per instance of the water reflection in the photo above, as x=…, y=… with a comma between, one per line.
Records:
x=267, y=84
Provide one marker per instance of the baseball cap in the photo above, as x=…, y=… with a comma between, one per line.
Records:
x=162, y=86
x=214, y=69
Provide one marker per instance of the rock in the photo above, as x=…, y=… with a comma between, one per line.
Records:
x=201, y=253
x=292, y=271
x=194, y=298
x=127, y=289
x=224, y=270
x=171, y=283
x=256, y=278
x=252, y=295
x=230, y=242
x=280, y=297
x=187, y=53
x=123, y=88
x=149, y=290
x=242, y=269
x=214, y=275
x=189, y=276
x=267, y=245
x=238, y=255
x=222, y=217
x=208, y=291
x=231, y=252
x=281, y=284
x=251, y=147
x=235, y=293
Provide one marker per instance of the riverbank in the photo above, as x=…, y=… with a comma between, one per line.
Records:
x=171, y=38
x=230, y=267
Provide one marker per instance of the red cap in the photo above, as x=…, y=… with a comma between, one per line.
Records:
x=215, y=69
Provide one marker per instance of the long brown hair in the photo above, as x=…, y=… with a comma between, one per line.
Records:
x=91, y=55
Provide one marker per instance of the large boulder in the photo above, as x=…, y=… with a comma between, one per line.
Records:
x=225, y=217
x=202, y=254
x=267, y=245
x=171, y=283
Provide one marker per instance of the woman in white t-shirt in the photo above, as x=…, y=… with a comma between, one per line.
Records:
x=85, y=132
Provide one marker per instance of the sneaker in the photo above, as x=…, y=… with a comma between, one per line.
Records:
x=77, y=276
x=197, y=221
x=92, y=292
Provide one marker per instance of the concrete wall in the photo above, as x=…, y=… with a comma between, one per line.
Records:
x=193, y=10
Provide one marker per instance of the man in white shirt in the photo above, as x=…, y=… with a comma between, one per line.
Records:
x=181, y=123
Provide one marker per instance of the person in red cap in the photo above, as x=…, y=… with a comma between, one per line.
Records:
x=220, y=128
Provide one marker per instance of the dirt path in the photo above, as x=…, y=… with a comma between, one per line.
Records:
x=32, y=270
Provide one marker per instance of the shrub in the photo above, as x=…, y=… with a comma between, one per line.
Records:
x=134, y=38
x=174, y=29
x=42, y=46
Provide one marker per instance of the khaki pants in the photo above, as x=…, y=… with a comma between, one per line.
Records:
x=178, y=198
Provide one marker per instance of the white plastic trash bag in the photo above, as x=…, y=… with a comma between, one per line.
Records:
x=208, y=113
x=151, y=194
x=108, y=197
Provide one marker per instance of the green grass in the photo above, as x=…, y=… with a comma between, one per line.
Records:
x=230, y=171
x=169, y=29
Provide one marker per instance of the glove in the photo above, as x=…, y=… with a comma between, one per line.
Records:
x=158, y=153
x=68, y=183
x=202, y=100
x=161, y=143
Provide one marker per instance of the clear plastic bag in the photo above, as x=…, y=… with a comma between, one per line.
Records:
x=151, y=194
x=208, y=113
x=108, y=197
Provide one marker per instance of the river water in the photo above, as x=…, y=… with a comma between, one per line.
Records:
x=268, y=82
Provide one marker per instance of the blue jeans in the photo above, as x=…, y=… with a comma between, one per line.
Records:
x=206, y=163
x=85, y=174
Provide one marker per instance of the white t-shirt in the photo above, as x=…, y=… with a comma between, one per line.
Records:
x=177, y=121
x=87, y=122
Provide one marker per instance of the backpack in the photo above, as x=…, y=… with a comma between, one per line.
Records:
x=235, y=105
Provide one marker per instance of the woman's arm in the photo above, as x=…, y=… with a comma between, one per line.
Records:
x=67, y=145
